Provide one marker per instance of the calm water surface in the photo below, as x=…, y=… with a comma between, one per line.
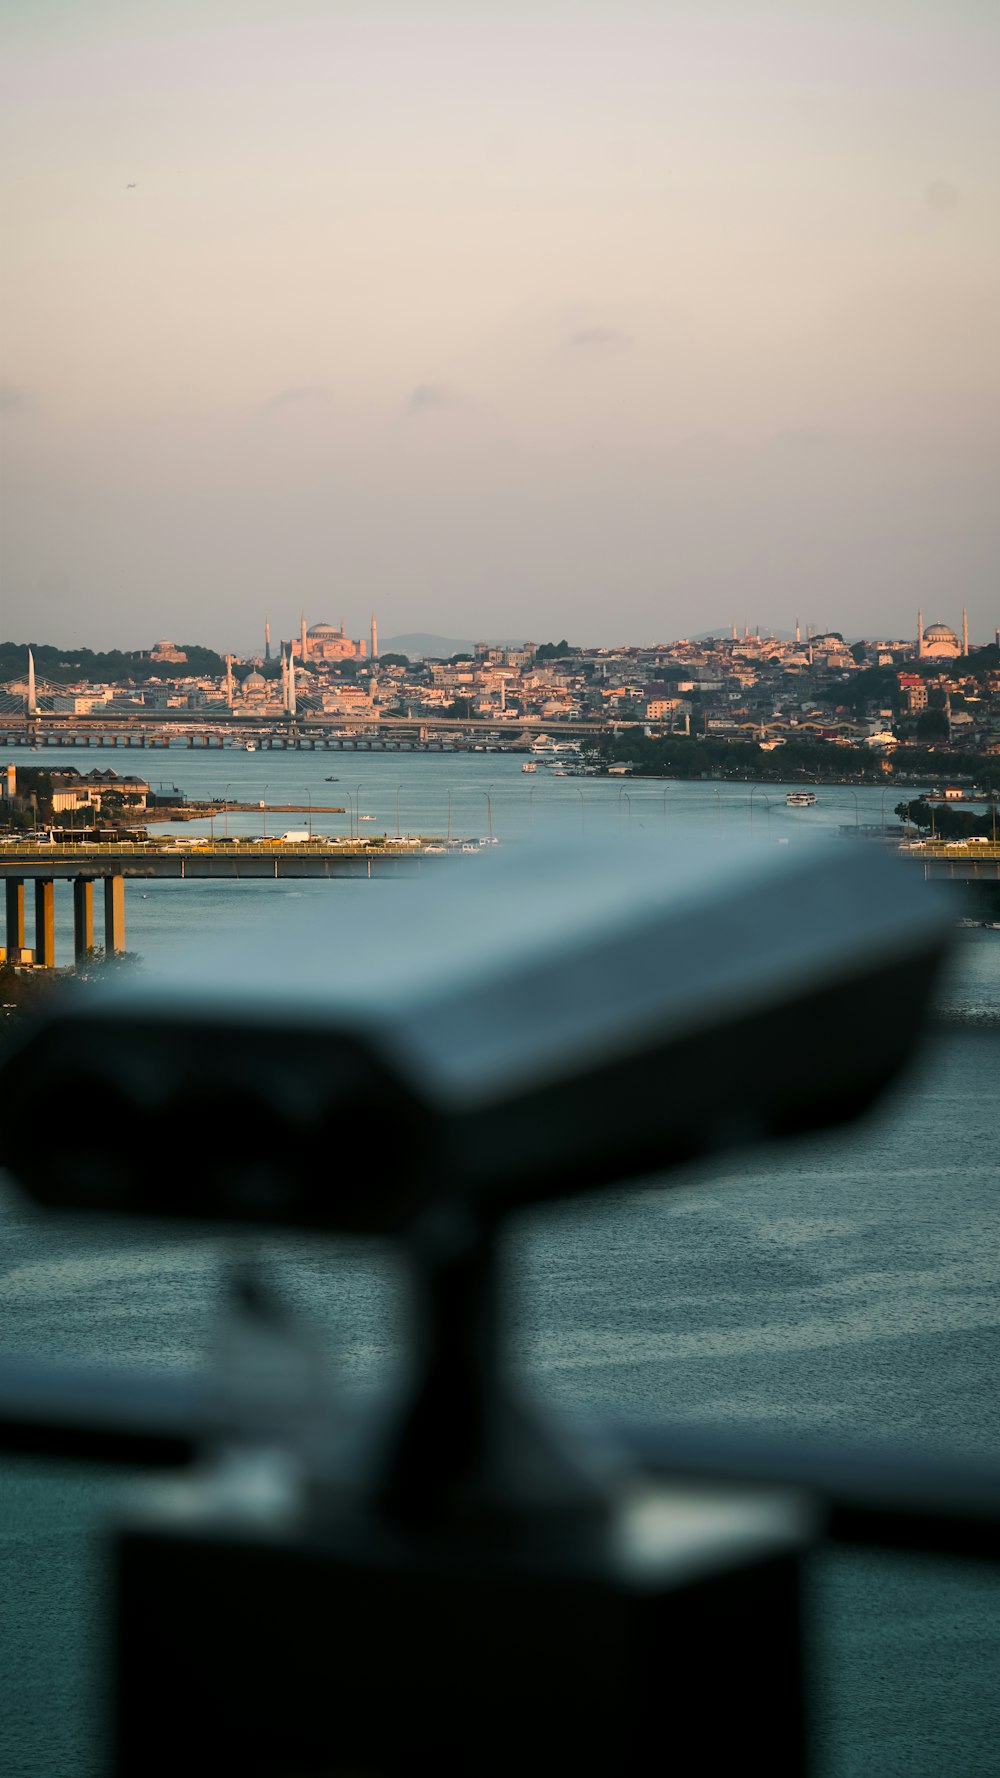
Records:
x=848, y=1287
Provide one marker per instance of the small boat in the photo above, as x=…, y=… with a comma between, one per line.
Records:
x=332, y=780
x=366, y=817
x=800, y=799
x=529, y=765
x=249, y=746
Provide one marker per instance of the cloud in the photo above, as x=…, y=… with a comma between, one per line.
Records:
x=942, y=196
x=14, y=399
x=599, y=338
x=308, y=393
x=431, y=398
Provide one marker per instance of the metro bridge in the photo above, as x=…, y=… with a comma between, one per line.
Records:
x=362, y=732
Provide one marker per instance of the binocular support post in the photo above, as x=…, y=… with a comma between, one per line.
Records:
x=487, y=1602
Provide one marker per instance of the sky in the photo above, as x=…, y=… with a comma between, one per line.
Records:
x=615, y=321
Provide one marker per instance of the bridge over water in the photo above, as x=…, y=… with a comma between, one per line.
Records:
x=972, y=866
x=361, y=733
x=86, y=866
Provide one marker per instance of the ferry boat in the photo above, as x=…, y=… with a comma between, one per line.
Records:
x=800, y=799
x=530, y=765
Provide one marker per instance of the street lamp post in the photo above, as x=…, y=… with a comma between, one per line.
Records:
x=225, y=806
x=856, y=818
x=488, y=793
x=350, y=814
x=264, y=808
x=718, y=804
x=398, y=789
x=357, y=812
x=449, y=814
x=628, y=799
x=309, y=795
x=753, y=791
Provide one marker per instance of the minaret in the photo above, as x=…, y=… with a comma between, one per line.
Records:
x=965, y=630
x=291, y=688
x=920, y=634
x=374, y=655
x=229, y=680
x=284, y=678
x=32, y=703
x=267, y=639
x=304, y=646
x=735, y=637
x=798, y=633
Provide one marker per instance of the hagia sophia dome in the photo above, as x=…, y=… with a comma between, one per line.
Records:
x=322, y=630
x=940, y=640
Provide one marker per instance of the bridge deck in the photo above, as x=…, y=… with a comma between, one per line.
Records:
x=233, y=862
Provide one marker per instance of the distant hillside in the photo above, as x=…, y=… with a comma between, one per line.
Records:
x=419, y=645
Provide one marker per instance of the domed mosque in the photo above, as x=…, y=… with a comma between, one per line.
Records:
x=938, y=642
x=325, y=642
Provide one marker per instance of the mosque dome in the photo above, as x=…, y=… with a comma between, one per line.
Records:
x=939, y=633
x=322, y=630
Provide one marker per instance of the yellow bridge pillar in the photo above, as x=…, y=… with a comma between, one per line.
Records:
x=83, y=917
x=15, y=918
x=45, y=922
x=114, y=915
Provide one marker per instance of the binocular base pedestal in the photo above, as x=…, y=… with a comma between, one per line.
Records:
x=668, y=1643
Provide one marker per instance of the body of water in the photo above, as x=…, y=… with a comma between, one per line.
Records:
x=846, y=1287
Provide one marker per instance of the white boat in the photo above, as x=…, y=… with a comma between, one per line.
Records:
x=249, y=746
x=529, y=766
x=800, y=799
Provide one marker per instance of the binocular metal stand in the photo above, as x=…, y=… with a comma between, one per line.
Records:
x=450, y=1583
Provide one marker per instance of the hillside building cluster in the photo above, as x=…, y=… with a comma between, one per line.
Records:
x=936, y=688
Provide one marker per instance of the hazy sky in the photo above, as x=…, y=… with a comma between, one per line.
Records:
x=617, y=321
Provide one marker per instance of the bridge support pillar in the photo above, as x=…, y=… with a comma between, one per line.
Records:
x=15, y=918
x=83, y=917
x=114, y=915
x=45, y=922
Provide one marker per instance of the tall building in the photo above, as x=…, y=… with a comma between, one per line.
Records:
x=267, y=639
x=32, y=701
